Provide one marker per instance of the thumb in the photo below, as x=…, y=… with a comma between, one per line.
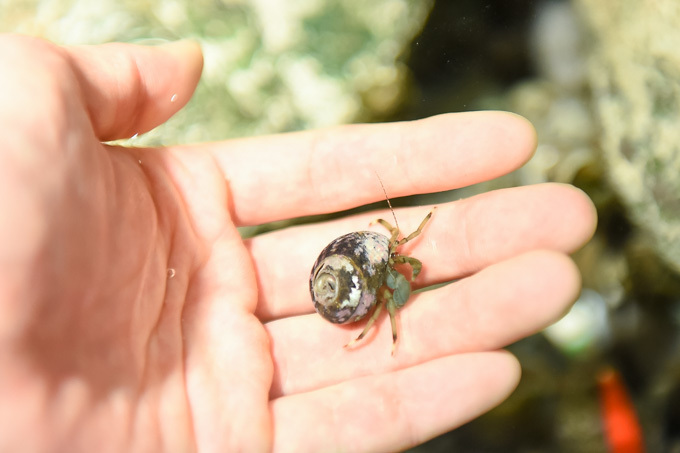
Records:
x=129, y=89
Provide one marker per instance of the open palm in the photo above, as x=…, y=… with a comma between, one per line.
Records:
x=134, y=317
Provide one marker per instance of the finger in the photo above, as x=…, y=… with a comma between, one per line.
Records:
x=460, y=239
x=305, y=173
x=487, y=311
x=130, y=89
x=396, y=410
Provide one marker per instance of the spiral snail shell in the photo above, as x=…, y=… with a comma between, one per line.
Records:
x=347, y=275
x=356, y=272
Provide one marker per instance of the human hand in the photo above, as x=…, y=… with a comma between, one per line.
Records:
x=101, y=347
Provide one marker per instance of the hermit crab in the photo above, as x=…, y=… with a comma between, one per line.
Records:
x=356, y=272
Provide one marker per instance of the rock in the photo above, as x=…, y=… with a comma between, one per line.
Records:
x=635, y=78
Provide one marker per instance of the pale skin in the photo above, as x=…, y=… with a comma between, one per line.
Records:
x=100, y=350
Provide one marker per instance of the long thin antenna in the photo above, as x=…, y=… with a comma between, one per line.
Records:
x=396, y=224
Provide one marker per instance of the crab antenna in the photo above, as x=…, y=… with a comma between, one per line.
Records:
x=396, y=224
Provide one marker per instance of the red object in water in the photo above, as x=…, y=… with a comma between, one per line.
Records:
x=621, y=426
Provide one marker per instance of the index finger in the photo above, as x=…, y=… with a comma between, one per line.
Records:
x=306, y=173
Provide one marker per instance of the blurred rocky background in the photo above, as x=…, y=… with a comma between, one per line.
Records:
x=270, y=65
x=600, y=80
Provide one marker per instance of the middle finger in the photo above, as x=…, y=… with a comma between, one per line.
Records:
x=461, y=238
